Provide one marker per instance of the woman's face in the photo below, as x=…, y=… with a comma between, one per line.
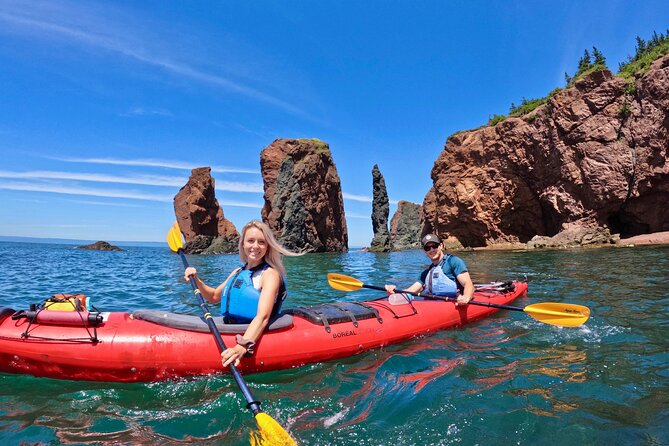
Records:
x=255, y=246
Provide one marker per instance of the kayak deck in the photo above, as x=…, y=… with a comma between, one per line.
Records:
x=125, y=347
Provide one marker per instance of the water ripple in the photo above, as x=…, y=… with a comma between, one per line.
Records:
x=506, y=379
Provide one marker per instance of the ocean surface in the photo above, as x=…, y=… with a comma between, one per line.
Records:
x=506, y=380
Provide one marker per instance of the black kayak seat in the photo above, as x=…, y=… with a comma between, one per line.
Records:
x=4, y=312
x=196, y=323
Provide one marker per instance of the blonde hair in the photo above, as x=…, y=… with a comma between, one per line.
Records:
x=273, y=256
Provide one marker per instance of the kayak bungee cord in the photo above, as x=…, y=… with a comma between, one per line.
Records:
x=554, y=313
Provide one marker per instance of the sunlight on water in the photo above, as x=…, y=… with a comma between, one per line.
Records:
x=508, y=379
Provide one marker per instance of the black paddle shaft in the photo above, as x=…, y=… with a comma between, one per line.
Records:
x=434, y=297
x=252, y=403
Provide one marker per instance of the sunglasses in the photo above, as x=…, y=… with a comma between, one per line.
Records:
x=430, y=246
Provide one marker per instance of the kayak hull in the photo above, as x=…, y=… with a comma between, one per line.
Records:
x=123, y=348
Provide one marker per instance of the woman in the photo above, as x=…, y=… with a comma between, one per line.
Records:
x=253, y=293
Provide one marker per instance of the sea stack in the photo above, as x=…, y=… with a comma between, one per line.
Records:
x=405, y=227
x=303, y=199
x=380, y=212
x=201, y=219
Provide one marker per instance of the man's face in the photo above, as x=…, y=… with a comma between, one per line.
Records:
x=432, y=250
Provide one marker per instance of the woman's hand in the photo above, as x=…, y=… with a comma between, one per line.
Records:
x=190, y=272
x=232, y=354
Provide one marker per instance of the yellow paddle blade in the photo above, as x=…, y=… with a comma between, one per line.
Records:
x=174, y=238
x=270, y=433
x=555, y=313
x=343, y=283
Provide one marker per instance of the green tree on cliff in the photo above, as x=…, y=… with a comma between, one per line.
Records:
x=587, y=64
x=599, y=59
x=645, y=53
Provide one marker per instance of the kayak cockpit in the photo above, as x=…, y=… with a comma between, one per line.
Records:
x=196, y=323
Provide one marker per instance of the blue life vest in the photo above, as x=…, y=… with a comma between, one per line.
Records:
x=241, y=297
x=438, y=283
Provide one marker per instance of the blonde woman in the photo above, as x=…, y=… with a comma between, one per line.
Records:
x=253, y=293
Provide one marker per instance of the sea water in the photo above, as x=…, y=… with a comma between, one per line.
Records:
x=508, y=379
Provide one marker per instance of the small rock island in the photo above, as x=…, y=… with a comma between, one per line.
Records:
x=101, y=246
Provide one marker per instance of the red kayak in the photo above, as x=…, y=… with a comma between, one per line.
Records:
x=150, y=345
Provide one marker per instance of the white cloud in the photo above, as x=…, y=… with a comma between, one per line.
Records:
x=69, y=190
x=180, y=165
x=108, y=193
x=354, y=215
x=141, y=111
x=51, y=225
x=363, y=198
x=103, y=203
x=145, y=180
x=234, y=186
x=96, y=30
x=240, y=204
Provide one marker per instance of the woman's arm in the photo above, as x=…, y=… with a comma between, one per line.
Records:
x=212, y=295
x=270, y=282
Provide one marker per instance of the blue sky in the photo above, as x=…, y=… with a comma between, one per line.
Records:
x=106, y=106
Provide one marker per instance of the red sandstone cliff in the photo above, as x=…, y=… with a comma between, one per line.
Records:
x=595, y=156
x=303, y=200
x=200, y=217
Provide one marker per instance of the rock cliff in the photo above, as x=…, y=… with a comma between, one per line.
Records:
x=303, y=199
x=380, y=212
x=594, y=156
x=405, y=227
x=200, y=217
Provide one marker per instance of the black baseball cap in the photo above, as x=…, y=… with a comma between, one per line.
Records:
x=430, y=238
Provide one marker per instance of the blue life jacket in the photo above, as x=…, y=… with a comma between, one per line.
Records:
x=241, y=297
x=438, y=283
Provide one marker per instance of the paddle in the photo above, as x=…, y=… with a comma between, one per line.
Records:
x=271, y=433
x=562, y=315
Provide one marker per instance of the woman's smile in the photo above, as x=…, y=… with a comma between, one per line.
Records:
x=255, y=245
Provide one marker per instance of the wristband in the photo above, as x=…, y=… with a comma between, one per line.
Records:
x=248, y=344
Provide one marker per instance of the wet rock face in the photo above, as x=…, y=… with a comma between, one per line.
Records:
x=405, y=227
x=200, y=217
x=595, y=156
x=380, y=212
x=303, y=200
x=574, y=237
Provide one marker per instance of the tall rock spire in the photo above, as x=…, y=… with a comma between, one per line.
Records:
x=380, y=212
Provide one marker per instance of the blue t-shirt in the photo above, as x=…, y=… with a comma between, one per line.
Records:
x=452, y=267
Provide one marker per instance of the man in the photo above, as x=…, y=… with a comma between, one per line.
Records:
x=447, y=276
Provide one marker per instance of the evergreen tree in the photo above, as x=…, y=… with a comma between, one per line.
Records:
x=640, y=47
x=599, y=57
x=584, y=63
x=567, y=78
x=656, y=39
